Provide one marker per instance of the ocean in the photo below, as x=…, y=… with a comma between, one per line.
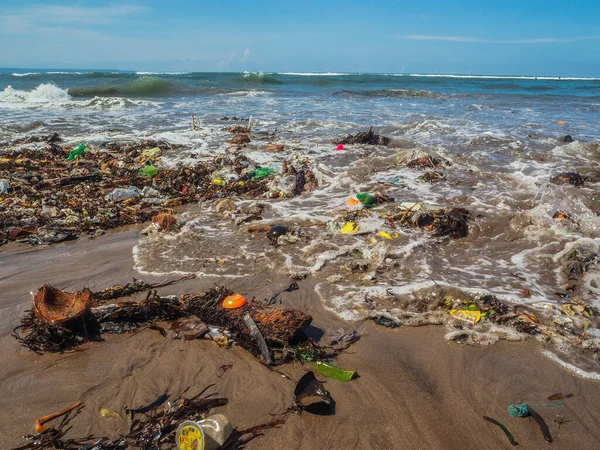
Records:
x=498, y=134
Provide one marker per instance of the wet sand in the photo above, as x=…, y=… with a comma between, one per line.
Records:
x=415, y=391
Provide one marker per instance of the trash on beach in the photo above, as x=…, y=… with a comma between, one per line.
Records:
x=274, y=147
x=4, y=185
x=108, y=414
x=364, y=137
x=387, y=322
x=76, y=152
x=526, y=410
x=261, y=172
x=234, y=301
x=385, y=235
x=340, y=147
x=329, y=370
x=256, y=334
x=275, y=232
x=165, y=222
x=567, y=178
x=504, y=429
x=189, y=436
x=310, y=395
x=350, y=228
x=54, y=306
x=450, y=222
x=39, y=423
x=217, y=429
x=149, y=171
x=353, y=201
x=122, y=194
x=367, y=200
x=470, y=316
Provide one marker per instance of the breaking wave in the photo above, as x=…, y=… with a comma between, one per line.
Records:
x=398, y=93
x=44, y=93
x=257, y=78
x=145, y=86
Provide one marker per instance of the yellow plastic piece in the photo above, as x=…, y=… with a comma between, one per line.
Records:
x=385, y=235
x=463, y=314
x=350, y=228
x=218, y=182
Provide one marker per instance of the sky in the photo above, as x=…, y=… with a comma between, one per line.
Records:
x=509, y=37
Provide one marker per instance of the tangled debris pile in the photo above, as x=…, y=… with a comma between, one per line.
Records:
x=60, y=320
x=472, y=316
x=153, y=427
x=364, y=137
x=451, y=222
x=46, y=199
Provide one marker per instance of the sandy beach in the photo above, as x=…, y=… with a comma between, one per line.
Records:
x=415, y=391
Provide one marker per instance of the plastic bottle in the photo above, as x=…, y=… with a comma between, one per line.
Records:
x=122, y=194
x=261, y=172
x=367, y=200
x=76, y=152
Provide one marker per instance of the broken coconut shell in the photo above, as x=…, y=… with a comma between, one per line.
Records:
x=52, y=305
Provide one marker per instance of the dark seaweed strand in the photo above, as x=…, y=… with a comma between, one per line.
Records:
x=543, y=426
x=503, y=428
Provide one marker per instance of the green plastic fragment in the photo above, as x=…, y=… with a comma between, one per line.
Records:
x=76, y=152
x=367, y=200
x=330, y=371
x=149, y=171
x=261, y=172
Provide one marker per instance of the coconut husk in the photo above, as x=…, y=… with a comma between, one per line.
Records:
x=53, y=306
x=165, y=222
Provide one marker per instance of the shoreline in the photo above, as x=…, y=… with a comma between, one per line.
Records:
x=415, y=390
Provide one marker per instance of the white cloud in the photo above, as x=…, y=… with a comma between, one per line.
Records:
x=36, y=17
x=234, y=57
x=547, y=40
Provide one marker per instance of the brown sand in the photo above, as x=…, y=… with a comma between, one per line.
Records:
x=415, y=391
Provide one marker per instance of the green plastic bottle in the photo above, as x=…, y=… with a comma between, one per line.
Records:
x=328, y=370
x=261, y=172
x=367, y=200
x=76, y=152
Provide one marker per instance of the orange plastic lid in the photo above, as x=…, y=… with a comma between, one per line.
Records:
x=353, y=201
x=233, y=301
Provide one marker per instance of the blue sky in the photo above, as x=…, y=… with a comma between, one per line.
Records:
x=518, y=37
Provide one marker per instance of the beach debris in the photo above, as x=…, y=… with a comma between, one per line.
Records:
x=256, y=334
x=367, y=200
x=39, y=423
x=261, y=172
x=350, y=228
x=277, y=326
x=567, y=139
x=217, y=429
x=165, y=222
x=190, y=436
x=53, y=306
x=504, y=429
x=106, y=190
x=234, y=301
x=384, y=321
x=443, y=222
x=469, y=316
x=108, y=414
x=364, y=137
x=330, y=370
x=526, y=410
x=240, y=139
x=559, y=396
x=77, y=152
x=310, y=395
x=567, y=178
x=275, y=232
x=339, y=148
x=274, y=147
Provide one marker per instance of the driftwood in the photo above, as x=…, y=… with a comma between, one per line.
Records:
x=364, y=137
